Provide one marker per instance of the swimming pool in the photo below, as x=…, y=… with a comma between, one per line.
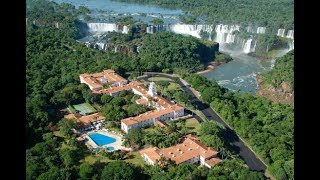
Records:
x=110, y=148
x=101, y=139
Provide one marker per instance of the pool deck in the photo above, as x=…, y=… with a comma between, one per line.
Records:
x=117, y=145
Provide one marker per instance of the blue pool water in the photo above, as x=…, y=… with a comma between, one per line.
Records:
x=110, y=148
x=101, y=140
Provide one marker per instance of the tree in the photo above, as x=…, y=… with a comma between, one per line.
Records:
x=134, y=109
x=134, y=137
x=106, y=98
x=52, y=173
x=69, y=157
x=66, y=126
x=119, y=170
x=85, y=171
x=69, y=94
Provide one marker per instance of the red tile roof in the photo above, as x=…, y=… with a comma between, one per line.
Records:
x=182, y=152
x=213, y=161
x=159, y=123
x=150, y=115
x=85, y=121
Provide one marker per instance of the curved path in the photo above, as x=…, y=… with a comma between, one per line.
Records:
x=239, y=146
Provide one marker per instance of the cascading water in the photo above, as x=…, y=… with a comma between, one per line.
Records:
x=261, y=30
x=224, y=33
x=290, y=34
x=247, y=46
x=230, y=38
x=150, y=30
x=125, y=29
x=100, y=45
x=220, y=30
x=254, y=47
x=291, y=45
x=193, y=30
x=281, y=32
x=107, y=27
x=102, y=27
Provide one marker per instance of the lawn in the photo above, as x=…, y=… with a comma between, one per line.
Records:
x=192, y=124
x=136, y=160
x=159, y=79
x=84, y=108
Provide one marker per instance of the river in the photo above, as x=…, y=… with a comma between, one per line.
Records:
x=239, y=74
x=107, y=10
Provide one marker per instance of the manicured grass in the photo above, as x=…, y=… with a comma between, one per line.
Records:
x=192, y=124
x=159, y=79
x=91, y=159
x=84, y=108
x=136, y=160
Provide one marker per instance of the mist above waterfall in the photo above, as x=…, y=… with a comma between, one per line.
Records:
x=107, y=27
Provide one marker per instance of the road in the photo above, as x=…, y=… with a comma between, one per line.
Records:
x=239, y=146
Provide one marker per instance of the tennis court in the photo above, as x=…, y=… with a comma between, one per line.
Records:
x=84, y=108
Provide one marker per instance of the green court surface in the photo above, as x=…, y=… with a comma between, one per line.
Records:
x=84, y=108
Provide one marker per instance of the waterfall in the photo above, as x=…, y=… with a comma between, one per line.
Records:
x=224, y=33
x=281, y=32
x=100, y=45
x=102, y=27
x=250, y=29
x=261, y=30
x=247, y=46
x=290, y=34
x=107, y=27
x=125, y=29
x=254, y=47
x=221, y=30
x=291, y=45
x=150, y=30
x=230, y=38
x=193, y=30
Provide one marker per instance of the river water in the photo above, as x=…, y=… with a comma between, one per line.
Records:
x=239, y=74
x=107, y=10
